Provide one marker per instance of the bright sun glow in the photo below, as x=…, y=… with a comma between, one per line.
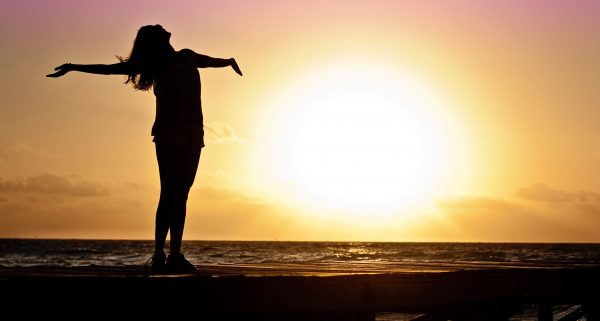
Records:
x=360, y=139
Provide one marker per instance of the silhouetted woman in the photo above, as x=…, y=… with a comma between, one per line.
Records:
x=177, y=130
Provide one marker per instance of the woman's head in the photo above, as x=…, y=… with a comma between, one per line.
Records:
x=152, y=37
x=151, y=49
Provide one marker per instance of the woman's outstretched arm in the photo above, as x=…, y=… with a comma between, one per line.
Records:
x=203, y=61
x=121, y=68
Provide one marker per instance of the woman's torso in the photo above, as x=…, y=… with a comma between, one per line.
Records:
x=178, y=104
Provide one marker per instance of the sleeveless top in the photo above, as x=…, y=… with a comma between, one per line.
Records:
x=179, y=118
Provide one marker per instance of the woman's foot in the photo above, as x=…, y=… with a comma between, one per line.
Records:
x=178, y=263
x=159, y=261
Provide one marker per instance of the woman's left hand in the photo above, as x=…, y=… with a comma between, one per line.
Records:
x=235, y=67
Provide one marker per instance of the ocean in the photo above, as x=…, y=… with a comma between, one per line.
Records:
x=414, y=256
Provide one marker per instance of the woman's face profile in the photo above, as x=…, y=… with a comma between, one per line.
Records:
x=163, y=32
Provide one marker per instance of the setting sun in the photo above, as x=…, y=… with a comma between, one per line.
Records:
x=361, y=137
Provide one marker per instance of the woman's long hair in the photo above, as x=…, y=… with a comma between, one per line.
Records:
x=148, y=56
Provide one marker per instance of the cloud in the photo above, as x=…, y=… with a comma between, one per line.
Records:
x=220, y=133
x=52, y=205
x=526, y=198
x=474, y=203
x=19, y=152
x=217, y=211
x=588, y=201
x=542, y=193
x=231, y=198
x=53, y=184
x=533, y=214
x=75, y=217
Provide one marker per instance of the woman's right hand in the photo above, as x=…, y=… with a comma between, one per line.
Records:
x=60, y=70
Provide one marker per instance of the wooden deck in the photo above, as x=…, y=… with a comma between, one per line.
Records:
x=295, y=292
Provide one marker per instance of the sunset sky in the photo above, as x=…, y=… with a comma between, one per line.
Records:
x=354, y=121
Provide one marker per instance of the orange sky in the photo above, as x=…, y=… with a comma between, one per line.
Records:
x=354, y=120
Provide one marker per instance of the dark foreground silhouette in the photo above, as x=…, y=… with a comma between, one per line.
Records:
x=177, y=130
x=293, y=292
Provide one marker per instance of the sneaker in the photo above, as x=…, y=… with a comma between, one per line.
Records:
x=177, y=262
x=158, y=262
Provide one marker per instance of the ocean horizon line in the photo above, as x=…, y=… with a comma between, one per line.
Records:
x=296, y=241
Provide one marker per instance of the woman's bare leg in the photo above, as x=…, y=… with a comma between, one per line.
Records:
x=177, y=167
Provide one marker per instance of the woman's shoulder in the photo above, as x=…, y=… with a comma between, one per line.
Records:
x=186, y=55
x=186, y=52
x=183, y=56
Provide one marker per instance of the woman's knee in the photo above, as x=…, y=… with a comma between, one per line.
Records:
x=173, y=195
